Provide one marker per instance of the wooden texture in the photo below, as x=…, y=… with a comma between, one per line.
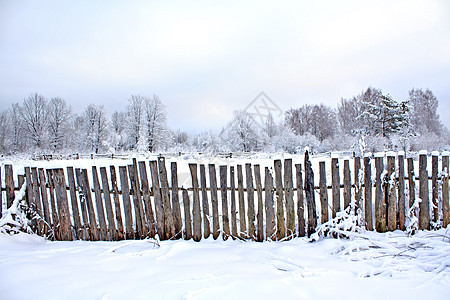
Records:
x=205, y=203
x=250, y=201
x=300, y=201
x=434, y=188
x=224, y=198
x=347, y=184
x=445, y=191
x=178, y=221
x=323, y=193
x=309, y=195
x=118, y=209
x=233, y=212
x=127, y=209
x=63, y=205
x=9, y=185
x=99, y=205
x=214, y=200
x=95, y=236
x=242, y=221
x=108, y=205
x=30, y=196
x=411, y=182
x=44, y=197
x=380, y=204
x=260, y=214
x=424, y=206
x=196, y=211
x=150, y=222
x=335, y=187
x=139, y=217
x=87, y=232
x=159, y=210
x=79, y=231
x=269, y=206
x=51, y=191
x=187, y=215
x=281, y=227
x=401, y=192
x=289, y=197
x=357, y=180
x=169, y=225
x=391, y=198
x=368, y=218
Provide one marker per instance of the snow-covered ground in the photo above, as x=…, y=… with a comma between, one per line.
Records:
x=371, y=266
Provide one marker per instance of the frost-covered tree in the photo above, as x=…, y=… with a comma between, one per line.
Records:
x=34, y=116
x=118, y=134
x=424, y=116
x=135, y=115
x=95, y=127
x=155, y=134
x=4, y=132
x=16, y=132
x=241, y=133
x=59, y=114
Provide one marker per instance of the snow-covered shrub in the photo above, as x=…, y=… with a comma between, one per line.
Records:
x=413, y=218
x=15, y=218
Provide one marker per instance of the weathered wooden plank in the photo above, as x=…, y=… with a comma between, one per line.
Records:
x=169, y=226
x=159, y=209
x=445, y=191
x=187, y=215
x=300, y=201
x=233, y=204
x=250, y=201
x=205, y=203
x=259, y=215
x=87, y=232
x=108, y=205
x=411, y=181
x=99, y=205
x=115, y=191
x=323, y=193
x=129, y=230
x=380, y=202
x=79, y=232
x=281, y=226
x=242, y=220
x=9, y=185
x=37, y=198
x=140, y=231
x=424, y=206
x=335, y=187
x=214, y=200
x=178, y=221
x=269, y=205
x=434, y=187
x=347, y=184
x=224, y=198
x=196, y=212
x=289, y=197
x=51, y=187
x=44, y=198
x=310, y=197
x=30, y=196
x=357, y=179
x=148, y=207
x=368, y=218
x=63, y=205
x=95, y=234
x=401, y=192
x=391, y=194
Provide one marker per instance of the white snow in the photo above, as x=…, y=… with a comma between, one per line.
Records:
x=435, y=153
x=423, y=152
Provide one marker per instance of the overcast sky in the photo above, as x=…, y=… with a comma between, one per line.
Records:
x=205, y=59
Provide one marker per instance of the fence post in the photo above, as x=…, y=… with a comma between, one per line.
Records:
x=9, y=184
x=169, y=228
x=242, y=221
x=300, y=201
x=187, y=215
x=51, y=186
x=250, y=201
x=74, y=202
x=214, y=200
x=129, y=231
x=223, y=189
x=424, y=206
x=391, y=193
x=149, y=216
x=323, y=193
x=196, y=213
x=259, y=215
x=368, y=193
x=63, y=205
x=175, y=201
x=44, y=197
x=81, y=194
x=270, y=213
x=310, y=197
x=445, y=189
x=347, y=184
x=281, y=231
x=335, y=186
x=159, y=210
x=357, y=179
x=380, y=205
x=401, y=191
x=289, y=197
x=99, y=205
x=411, y=181
x=140, y=231
x=115, y=190
x=233, y=204
x=109, y=210
x=205, y=202
x=30, y=196
x=434, y=186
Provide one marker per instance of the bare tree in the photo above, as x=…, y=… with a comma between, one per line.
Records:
x=34, y=115
x=156, y=132
x=135, y=114
x=58, y=118
x=4, y=132
x=424, y=116
x=95, y=127
x=17, y=141
x=241, y=133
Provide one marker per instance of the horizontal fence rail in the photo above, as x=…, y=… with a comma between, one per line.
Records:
x=245, y=201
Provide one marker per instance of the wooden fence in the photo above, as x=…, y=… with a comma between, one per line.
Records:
x=276, y=203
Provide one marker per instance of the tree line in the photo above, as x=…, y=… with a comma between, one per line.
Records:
x=370, y=121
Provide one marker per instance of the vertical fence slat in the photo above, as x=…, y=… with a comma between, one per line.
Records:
x=368, y=193
x=242, y=221
x=323, y=192
x=149, y=216
x=44, y=198
x=95, y=235
x=205, y=203
x=9, y=184
x=411, y=181
x=30, y=196
x=233, y=204
x=401, y=191
x=37, y=198
x=434, y=187
x=187, y=215
x=300, y=201
x=196, y=212
x=108, y=205
x=99, y=205
x=178, y=221
x=424, y=206
x=445, y=191
x=270, y=210
x=357, y=172
x=335, y=187
x=310, y=197
x=139, y=217
x=289, y=197
x=391, y=190
x=224, y=192
x=63, y=205
x=159, y=210
x=250, y=201
x=82, y=195
x=281, y=230
x=380, y=205
x=347, y=184
x=115, y=190
x=169, y=226
x=259, y=215
x=129, y=231
x=74, y=203
x=214, y=200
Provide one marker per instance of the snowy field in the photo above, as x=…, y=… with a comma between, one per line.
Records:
x=370, y=266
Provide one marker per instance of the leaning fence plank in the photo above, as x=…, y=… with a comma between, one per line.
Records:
x=129, y=231
x=368, y=193
x=30, y=196
x=391, y=190
x=74, y=203
x=411, y=181
x=214, y=200
x=9, y=184
x=233, y=204
x=196, y=212
x=115, y=191
x=82, y=194
x=63, y=205
x=357, y=179
x=55, y=217
x=281, y=230
x=99, y=205
x=44, y=198
x=323, y=192
x=250, y=201
x=169, y=226
x=401, y=191
x=424, y=206
x=108, y=205
x=187, y=215
x=380, y=204
x=445, y=190
x=242, y=221
x=38, y=202
x=335, y=187
x=149, y=216
x=139, y=217
x=434, y=187
x=178, y=221
x=90, y=206
x=224, y=198
x=347, y=184
x=300, y=201
x=289, y=197
x=270, y=211
x=259, y=215
x=159, y=209
x=205, y=203
x=310, y=197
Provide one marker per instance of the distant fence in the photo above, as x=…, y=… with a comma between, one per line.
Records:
x=242, y=201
